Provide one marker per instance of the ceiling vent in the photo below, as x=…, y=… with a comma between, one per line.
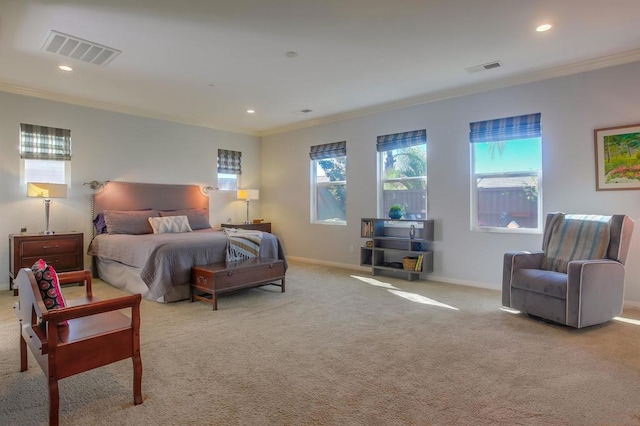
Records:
x=77, y=48
x=484, y=67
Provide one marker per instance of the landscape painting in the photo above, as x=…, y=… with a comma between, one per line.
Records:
x=617, y=157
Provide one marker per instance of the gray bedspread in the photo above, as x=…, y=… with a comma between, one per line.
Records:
x=165, y=260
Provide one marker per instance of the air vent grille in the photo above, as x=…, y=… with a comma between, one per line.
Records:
x=484, y=67
x=77, y=48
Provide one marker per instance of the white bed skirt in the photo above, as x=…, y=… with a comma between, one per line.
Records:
x=127, y=278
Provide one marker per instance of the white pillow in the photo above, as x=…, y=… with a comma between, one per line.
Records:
x=169, y=224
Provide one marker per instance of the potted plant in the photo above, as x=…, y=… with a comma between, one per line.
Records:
x=395, y=211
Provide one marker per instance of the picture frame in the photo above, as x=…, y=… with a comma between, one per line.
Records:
x=617, y=153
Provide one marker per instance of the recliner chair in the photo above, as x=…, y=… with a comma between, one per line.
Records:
x=578, y=277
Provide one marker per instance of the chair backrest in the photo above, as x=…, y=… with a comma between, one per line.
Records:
x=620, y=231
x=30, y=306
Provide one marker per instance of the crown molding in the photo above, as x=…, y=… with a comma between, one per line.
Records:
x=530, y=77
x=90, y=103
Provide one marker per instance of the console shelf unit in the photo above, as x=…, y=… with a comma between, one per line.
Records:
x=391, y=241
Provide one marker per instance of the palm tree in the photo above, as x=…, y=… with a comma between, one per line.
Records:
x=406, y=163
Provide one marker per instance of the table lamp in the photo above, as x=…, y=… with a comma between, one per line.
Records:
x=248, y=194
x=46, y=191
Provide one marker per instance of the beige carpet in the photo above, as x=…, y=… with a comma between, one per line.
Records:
x=339, y=350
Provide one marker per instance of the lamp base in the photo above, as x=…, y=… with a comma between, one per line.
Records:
x=48, y=232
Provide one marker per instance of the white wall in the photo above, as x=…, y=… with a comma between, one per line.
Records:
x=113, y=146
x=572, y=107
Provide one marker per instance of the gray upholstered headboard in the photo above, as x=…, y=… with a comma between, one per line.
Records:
x=156, y=196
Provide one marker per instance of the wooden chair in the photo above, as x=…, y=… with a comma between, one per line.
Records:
x=97, y=333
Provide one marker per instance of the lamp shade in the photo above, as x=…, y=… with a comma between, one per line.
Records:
x=248, y=194
x=46, y=190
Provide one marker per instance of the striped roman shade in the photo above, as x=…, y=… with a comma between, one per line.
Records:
x=401, y=140
x=328, y=150
x=229, y=162
x=504, y=129
x=44, y=143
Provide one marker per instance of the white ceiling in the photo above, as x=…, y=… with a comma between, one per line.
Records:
x=354, y=56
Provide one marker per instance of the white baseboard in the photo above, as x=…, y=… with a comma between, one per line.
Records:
x=333, y=264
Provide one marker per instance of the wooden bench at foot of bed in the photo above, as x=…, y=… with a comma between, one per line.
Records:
x=224, y=277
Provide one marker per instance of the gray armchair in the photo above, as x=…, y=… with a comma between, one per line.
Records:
x=578, y=293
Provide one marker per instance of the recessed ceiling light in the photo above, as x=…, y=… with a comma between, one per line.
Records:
x=251, y=111
x=65, y=68
x=544, y=27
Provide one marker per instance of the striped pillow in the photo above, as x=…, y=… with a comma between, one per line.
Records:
x=169, y=224
x=576, y=237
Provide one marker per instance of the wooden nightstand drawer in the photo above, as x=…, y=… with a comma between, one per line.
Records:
x=42, y=248
x=65, y=251
x=60, y=262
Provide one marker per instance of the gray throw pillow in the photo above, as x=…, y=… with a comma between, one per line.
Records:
x=129, y=222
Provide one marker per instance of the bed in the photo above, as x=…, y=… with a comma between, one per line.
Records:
x=129, y=255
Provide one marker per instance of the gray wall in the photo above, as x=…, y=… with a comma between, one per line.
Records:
x=116, y=146
x=112, y=146
x=572, y=107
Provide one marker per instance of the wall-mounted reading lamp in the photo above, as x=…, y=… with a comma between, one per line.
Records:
x=94, y=184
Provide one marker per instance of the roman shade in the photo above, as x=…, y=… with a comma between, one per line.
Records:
x=328, y=150
x=229, y=162
x=44, y=143
x=504, y=129
x=401, y=140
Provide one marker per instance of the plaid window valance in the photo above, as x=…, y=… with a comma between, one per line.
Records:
x=44, y=143
x=401, y=140
x=229, y=162
x=328, y=150
x=503, y=129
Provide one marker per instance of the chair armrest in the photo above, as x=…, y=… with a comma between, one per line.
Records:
x=75, y=277
x=513, y=261
x=595, y=291
x=56, y=316
x=524, y=259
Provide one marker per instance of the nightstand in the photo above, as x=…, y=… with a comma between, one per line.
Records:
x=65, y=251
x=263, y=226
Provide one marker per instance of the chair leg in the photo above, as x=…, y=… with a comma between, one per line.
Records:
x=23, y=354
x=137, y=378
x=54, y=401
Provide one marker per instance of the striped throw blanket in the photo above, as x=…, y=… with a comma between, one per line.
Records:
x=575, y=237
x=242, y=244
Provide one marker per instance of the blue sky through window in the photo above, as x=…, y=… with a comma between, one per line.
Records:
x=517, y=155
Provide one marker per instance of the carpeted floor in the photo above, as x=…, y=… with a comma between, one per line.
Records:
x=343, y=348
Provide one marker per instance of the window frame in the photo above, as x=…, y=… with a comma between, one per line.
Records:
x=396, y=141
x=39, y=144
x=335, y=150
x=229, y=162
x=511, y=129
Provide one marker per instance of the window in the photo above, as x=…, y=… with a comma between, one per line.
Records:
x=329, y=183
x=402, y=162
x=45, y=152
x=506, y=162
x=229, y=169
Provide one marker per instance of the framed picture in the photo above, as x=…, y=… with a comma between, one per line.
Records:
x=617, y=157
